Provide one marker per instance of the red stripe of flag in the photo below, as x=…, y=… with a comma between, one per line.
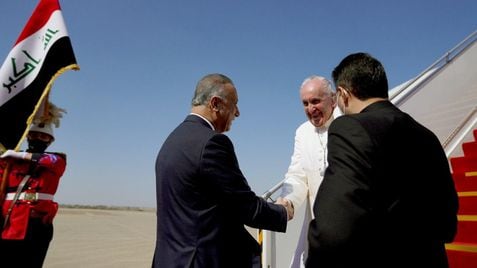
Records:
x=39, y=18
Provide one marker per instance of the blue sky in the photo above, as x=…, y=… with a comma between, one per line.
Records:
x=140, y=61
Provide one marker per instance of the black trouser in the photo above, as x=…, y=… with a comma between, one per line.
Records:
x=31, y=251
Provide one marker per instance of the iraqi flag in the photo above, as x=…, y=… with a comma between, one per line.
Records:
x=42, y=52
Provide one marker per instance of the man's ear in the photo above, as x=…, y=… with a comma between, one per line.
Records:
x=215, y=103
x=345, y=95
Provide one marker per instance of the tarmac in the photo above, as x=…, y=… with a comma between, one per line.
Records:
x=94, y=238
x=119, y=238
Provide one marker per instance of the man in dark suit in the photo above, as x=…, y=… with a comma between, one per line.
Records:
x=203, y=199
x=387, y=198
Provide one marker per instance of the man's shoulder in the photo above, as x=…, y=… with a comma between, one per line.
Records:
x=193, y=134
x=193, y=128
x=348, y=124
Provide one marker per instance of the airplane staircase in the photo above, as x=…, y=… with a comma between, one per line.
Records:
x=462, y=252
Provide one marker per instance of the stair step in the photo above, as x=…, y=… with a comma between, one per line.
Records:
x=466, y=229
x=464, y=164
x=470, y=148
x=462, y=255
x=468, y=204
x=465, y=182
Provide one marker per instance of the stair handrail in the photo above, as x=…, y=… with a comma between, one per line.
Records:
x=268, y=194
x=465, y=126
x=437, y=65
x=267, y=238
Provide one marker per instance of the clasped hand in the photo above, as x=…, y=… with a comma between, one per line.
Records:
x=288, y=205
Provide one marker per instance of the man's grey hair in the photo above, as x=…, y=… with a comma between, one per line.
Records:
x=209, y=86
x=327, y=82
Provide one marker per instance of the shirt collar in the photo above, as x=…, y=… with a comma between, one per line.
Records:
x=205, y=119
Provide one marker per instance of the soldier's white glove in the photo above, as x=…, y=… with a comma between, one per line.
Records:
x=13, y=154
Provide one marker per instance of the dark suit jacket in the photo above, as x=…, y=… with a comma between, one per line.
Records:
x=387, y=198
x=203, y=202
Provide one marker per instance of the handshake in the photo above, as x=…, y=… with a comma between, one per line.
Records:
x=288, y=205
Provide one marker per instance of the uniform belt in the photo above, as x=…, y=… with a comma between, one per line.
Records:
x=30, y=196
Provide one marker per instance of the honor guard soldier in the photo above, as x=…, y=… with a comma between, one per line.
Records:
x=28, y=209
